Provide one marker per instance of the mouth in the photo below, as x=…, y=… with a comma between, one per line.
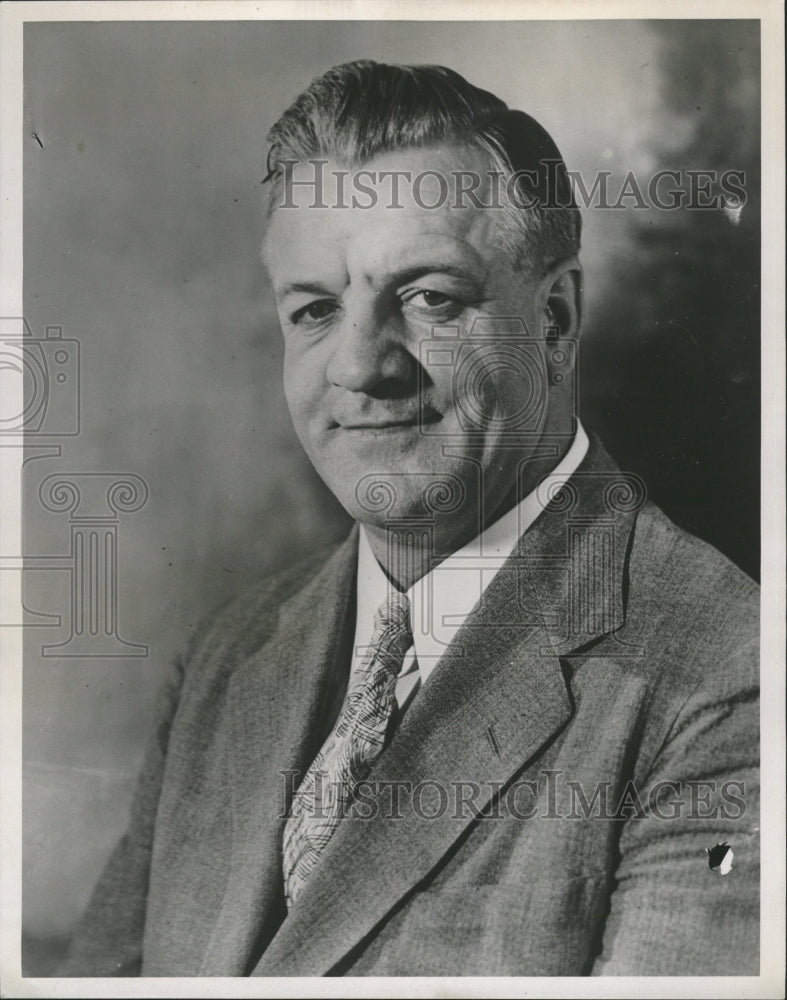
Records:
x=389, y=425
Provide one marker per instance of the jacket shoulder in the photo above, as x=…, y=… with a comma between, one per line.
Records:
x=243, y=624
x=684, y=560
x=704, y=609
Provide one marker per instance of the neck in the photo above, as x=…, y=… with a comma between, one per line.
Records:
x=407, y=554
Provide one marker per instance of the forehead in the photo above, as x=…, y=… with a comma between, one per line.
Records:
x=396, y=207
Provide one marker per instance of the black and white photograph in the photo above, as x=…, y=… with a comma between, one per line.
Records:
x=392, y=556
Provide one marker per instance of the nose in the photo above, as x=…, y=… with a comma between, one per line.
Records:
x=370, y=357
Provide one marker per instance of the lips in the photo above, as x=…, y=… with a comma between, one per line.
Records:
x=385, y=425
x=387, y=421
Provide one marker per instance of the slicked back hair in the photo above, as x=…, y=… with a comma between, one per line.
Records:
x=362, y=109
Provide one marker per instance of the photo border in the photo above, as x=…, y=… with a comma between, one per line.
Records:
x=770, y=982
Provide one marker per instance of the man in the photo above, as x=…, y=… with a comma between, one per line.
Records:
x=504, y=727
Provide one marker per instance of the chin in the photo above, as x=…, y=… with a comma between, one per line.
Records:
x=376, y=484
x=378, y=499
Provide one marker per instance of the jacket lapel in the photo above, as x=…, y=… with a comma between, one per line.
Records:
x=575, y=557
x=280, y=708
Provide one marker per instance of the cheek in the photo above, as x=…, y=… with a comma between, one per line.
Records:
x=303, y=383
x=441, y=383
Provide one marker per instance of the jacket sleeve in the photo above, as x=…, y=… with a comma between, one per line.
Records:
x=107, y=941
x=670, y=913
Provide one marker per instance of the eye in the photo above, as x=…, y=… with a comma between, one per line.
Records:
x=314, y=312
x=430, y=298
x=431, y=303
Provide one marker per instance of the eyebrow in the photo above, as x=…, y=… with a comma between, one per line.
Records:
x=312, y=287
x=396, y=278
x=412, y=273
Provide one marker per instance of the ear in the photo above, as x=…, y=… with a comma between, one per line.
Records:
x=559, y=299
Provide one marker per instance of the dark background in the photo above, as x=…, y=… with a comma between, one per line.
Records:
x=144, y=153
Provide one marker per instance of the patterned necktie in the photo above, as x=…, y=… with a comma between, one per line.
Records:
x=357, y=740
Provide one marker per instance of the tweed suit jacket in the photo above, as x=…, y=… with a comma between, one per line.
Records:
x=545, y=807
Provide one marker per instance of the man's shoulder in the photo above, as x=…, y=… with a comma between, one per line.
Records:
x=684, y=590
x=665, y=551
x=678, y=590
x=245, y=622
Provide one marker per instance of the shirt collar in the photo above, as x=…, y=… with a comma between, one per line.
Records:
x=441, y=600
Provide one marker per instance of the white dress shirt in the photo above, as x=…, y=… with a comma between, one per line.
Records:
x=441, y=600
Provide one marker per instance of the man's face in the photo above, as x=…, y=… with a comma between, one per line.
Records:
x=359, y=293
